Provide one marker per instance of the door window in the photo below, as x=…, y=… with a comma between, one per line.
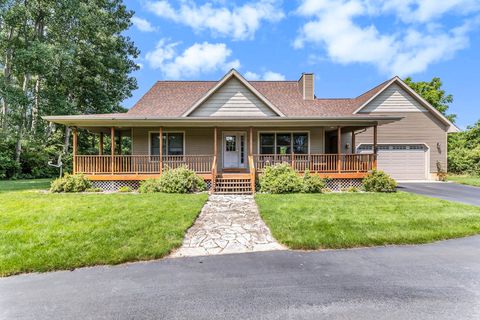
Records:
x=230, y=143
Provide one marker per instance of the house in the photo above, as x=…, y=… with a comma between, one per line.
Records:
x=229, y=130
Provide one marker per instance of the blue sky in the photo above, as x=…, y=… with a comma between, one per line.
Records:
x=350, y=45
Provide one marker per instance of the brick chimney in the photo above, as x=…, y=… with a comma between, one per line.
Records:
x=306, y=85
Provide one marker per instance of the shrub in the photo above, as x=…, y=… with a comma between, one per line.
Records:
x=125, y=189
x=71, y=183
x=280, y=178
x=179, y=180
x=327, y=190
x=312, y=183
x=149, y=186
x=379, y=181
x=441, y=174
x=353, y=189
x=350, y=189
x=94, y=190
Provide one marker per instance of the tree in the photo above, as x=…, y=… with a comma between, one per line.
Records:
x=432, y=92
x=60, y=57
x=464, y=151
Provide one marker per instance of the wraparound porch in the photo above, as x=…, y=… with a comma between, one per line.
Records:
x=140, y=167
x=233, y=161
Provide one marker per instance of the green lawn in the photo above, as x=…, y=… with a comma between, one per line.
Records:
x=465, y=179
x=42, y=232
x=344, y=220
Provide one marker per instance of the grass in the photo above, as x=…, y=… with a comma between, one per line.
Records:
x=44, y=232
x=345, y=220
x=465, y=179
x=30, y=184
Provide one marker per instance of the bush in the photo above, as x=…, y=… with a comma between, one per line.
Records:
x=125, y=189
x=379, y=181
x=71, y=183
x=280, y=178
x=94, y=190
x=312, y=183
x=179, y=180
x=149, y=186
x=350, y=189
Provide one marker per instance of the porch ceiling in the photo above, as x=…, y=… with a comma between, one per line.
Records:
x=92, y=121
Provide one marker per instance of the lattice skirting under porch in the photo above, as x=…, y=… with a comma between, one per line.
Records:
x=114, y=185
x=340, y=184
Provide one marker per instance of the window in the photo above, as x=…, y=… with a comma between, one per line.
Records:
x=172, y=144
x=267, y=143
x=231, y=143
x=284, y=143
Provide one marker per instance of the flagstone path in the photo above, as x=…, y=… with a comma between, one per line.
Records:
x=227, y=224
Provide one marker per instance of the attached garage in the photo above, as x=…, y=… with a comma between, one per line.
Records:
x=401, y=161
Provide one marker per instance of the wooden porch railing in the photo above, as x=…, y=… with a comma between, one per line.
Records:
x=140, y=164
x=207, y=164
x=319, y=163
x=214, y=173
x=251, y=164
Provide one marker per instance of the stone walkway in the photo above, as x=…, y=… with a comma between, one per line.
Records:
x=227, y=224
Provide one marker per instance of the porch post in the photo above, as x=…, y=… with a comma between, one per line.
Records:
x=250, y=143
x=353, y=142
x=215, y=144
x=112, y=149
x=339, y=149
x=375, y=147
x=75, y=139
x=100, y=144
x=160, y=161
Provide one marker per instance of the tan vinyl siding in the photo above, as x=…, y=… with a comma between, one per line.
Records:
x=308, y=87
x=416, y=127
x=200, y=140
x=197, y=140
x=233, y=99
x=306, y=83
x=394, y=99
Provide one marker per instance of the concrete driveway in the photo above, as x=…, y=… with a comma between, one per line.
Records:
x=435, y=281
x=444, y=190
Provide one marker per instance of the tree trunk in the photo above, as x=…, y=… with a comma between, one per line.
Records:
x=6, y=74
x=36, y=106
x=66, y=140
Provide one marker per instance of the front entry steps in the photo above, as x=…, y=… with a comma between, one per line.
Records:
x=233, y=184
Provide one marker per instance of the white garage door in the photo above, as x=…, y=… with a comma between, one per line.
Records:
x=401, y=161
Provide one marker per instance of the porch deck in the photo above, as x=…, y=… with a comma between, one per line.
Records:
x=140, y=167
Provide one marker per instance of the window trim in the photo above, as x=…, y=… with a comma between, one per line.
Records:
x=165, y=132
x=282, y=131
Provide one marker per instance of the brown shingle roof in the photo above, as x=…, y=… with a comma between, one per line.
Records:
x=173, y=98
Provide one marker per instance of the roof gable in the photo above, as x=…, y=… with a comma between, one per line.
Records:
x=233, y=99
x=393, y=99
x=396, y=83
x=233, y=96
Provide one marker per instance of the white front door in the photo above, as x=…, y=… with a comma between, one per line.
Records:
x=234, y=150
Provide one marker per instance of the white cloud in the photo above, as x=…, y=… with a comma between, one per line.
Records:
x=266, y=76
x=142, y=24
x=427, y=10
x=252, y=76
x=419, y=41
x=198, y=59
x=238, y=22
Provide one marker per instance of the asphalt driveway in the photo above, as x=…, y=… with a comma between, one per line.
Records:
x=448, y=191
x=435, y=281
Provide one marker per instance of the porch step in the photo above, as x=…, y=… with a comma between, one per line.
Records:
x=232, y=185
